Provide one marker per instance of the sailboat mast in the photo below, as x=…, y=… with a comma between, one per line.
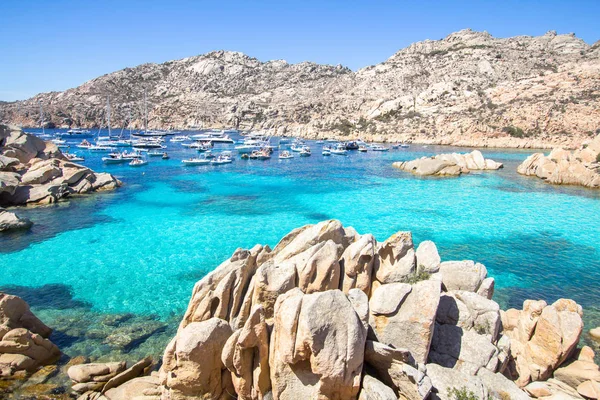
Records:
x=42, y=117
x=145, y=112
x=108, y=114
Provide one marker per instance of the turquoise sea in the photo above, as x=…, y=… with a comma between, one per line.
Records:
x=123, y=263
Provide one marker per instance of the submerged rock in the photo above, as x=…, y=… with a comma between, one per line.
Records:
x=10, y=221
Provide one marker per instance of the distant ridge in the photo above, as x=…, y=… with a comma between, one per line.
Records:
x=466, y=89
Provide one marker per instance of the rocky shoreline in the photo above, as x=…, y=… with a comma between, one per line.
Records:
x=332, y=314
x=35, y=172
x=562, y=167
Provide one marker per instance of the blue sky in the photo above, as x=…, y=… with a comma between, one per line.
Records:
x=58, y=44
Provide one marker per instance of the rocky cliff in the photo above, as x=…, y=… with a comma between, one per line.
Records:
x=466, y=89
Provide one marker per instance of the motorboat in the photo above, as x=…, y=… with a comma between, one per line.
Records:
x=377, y=147
x=75, y=133
x=180, y=138
x=58, y=141
x=223, y=158
x=362, y=148
x=297, y=148
x=73, y=157
x=305, y=152
x=285, y=155
x=339, y=150
x=326, y=151
x=155, y=153
x=138, y=162
x=99, y=148
x=247, y=148
x=263, y=154
x=195, y=161
x=116, y=159
x=84, y=144
x=400, y=146
x=351, y=145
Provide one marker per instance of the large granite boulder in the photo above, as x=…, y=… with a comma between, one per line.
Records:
x=542, y=337
x=317, y=344
x=449, y=164
x=192, y=365
x=10, y=221
x=411, y=324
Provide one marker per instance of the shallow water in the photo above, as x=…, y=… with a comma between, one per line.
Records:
x=131, y=257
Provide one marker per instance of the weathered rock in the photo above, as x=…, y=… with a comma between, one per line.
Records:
x=411, y=326
x=132, y=372
x=135, y=388
x=398, y=370
x=428, y=258
x=595, y=333
x=448, y=164
x=396, y=259
x=194, y=367
x=388, y=298
x=446, y=379
x=464, y=350
x=578, y=372
x=10, y=221
x=321, y=271
x=561, y=167
x=462, y=275
x=317, y=344
x=589, y=390
x=373, y=389
x=306, y=238
x=356, y=264
x=87, y=372
x=542, y=337
x=246, y=355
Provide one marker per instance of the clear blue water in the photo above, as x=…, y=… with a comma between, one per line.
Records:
x=140, y=249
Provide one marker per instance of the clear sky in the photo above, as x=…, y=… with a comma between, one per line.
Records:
x=57, y=44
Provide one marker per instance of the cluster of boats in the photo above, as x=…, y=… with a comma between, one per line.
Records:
x=224, y=158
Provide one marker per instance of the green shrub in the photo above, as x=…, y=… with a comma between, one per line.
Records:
x=515, y=132
x=598, y=158
x=421, y=276
x=461, y=394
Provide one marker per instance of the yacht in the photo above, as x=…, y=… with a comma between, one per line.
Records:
x=339, y=150
x=377, y=147
x=362, y=148
x=75, y=133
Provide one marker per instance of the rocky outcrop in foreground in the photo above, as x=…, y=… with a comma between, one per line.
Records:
x=33, y=171
x=24, y=344
x=562, y=167
x=332, y=314
x=467, y=89
x=453, y=164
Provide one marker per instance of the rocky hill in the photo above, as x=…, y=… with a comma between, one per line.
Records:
x=466, y=89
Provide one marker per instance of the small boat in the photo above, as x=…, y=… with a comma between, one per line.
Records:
x=179, y=138
x=138, y=162
x=320, y=142
x=285, y=155
x=59, y=141
x=73, y=157
x=326, y=151
x=377, y=147
x=305, y=152
x=362, y=148
x=223, y=158
x=155, y=153
x=116, y=159
x=76, y=132
x=297, y=147
x=352, y=145
x=84, y=144
x=194, y=161
x=165, y=156
x=339, y=150
x=99, y=148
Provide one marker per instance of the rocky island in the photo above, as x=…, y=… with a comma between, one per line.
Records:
x=35, y=172
x=453, y=164
x=580, y=167
x=332, y=314
x=467, y=89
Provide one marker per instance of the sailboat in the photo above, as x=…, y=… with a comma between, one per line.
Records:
x=101, y=144
x=147, y=133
